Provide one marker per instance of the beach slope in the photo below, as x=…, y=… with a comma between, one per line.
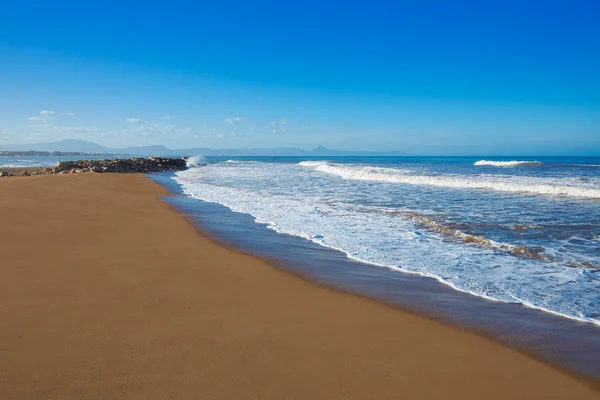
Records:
x=107, y=293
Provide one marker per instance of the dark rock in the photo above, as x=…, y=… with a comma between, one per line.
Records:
x=122, y=166
x=129, y=165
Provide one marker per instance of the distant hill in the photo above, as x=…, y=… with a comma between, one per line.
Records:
x=63, y=145
x=159, y=150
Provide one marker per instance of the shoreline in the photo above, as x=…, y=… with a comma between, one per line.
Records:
x=591, y=382
x=564, y=343
x=134, y=300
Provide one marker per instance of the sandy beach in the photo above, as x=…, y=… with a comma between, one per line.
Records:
x=108, y=293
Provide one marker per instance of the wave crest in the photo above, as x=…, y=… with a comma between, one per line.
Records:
x=356, y=172
x=392, y=175
x=506, y=163
x=196, y=161
x=313, y=163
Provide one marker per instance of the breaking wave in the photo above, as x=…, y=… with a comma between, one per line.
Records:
x=364, y=173
x=196, y=161
x=506, y=163
x=401, y=239
x=313, y=163
x=393, y=175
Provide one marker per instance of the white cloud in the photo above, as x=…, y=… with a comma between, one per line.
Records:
x=220, y=135
x=252, y=129
x=234, y=134
x=44, y=116
x=43, y=131
x=234, y=121
x=134, y=120
x=281, y=121
x=62, y=129
x=166, y=116
x=70, y=114
x=154, y=131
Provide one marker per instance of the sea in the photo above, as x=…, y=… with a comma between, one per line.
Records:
x=40, y=161
x=508, y=247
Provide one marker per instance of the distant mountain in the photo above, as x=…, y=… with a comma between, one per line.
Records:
x=158, y=150
x=63, y=145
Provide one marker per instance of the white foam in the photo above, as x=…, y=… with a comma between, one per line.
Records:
x=325, y=211
x=358, y=172
x=393, y=175
x=313, y=163
x=195, y=161
x=506, y=163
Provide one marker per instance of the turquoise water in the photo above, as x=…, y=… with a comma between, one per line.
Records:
x=515, y=230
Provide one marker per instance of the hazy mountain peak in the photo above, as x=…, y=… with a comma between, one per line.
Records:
x=73, y=145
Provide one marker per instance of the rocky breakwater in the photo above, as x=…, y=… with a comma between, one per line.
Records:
x=115, y=165
x=122, y=165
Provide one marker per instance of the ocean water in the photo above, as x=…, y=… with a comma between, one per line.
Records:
x=41, y=161
x=523, y=231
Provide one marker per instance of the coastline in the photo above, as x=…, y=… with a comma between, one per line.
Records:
x=123, y=296
x=570, y=345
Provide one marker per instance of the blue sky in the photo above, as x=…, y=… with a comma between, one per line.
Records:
x=426, y=77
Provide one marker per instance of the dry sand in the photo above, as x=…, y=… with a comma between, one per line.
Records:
x=107, y=293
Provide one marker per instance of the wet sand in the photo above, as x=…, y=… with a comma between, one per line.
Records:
x=21, y=171
x=106, y=292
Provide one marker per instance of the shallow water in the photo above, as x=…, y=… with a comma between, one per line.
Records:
x=517, y=231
